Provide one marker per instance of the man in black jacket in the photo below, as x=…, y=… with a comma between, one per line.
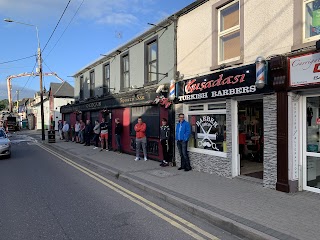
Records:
x=118, y=132
x=87, y=133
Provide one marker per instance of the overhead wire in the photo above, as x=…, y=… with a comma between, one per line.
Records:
x=56, y=26
x=17, y=59
x=66, y=28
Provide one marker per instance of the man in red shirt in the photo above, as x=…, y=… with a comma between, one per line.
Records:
x=141, y=139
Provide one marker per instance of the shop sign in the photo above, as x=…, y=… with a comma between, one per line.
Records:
x=207, y=122
x=132, y=99
x=93, y=105
x=305, y=70
x=238, y=81
x=162, y=101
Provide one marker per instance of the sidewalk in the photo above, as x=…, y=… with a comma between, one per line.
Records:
x=242, y=207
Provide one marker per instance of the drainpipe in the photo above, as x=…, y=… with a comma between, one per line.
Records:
x=172, y=109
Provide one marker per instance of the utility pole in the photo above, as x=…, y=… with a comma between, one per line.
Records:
x=18, y=100
x=41, y=92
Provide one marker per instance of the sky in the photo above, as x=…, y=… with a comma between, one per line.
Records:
x=86, y=30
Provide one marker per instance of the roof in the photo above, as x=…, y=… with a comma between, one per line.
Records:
x=62, y=89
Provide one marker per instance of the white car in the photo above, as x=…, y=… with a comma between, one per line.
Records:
x=5, y=144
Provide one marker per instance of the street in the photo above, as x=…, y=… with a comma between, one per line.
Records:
x=47, y=196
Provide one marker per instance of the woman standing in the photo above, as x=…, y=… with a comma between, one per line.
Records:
x=96, y=131
x=164, y=139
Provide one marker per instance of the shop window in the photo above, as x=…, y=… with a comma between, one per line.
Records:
x=216, y=106
x=313, y=142
x=196, y=108
x=150, y=115
x=229, y=32
x=67, y=117
x=94, y=116
x=311, y=10
x=208, y=128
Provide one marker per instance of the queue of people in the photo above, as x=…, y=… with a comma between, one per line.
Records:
x=85, y=132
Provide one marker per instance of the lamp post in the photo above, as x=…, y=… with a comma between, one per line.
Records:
x=39, y=71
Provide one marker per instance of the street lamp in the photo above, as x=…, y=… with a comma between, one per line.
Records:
x=39, y=71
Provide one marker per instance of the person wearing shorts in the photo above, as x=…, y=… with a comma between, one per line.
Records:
x=104, y=134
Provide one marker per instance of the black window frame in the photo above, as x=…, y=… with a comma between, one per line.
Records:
x=147, y=61
x=106, y=80
x=123, y=56
x=92, y=83
x=81, y=95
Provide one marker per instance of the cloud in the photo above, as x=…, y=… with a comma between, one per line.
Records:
x=110, y=12
x=118, y=19
x=26, y=93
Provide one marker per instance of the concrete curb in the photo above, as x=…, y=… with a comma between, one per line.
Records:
x=218, y=220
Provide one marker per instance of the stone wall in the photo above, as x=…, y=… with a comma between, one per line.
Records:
x=270, y=141
x=208, y=163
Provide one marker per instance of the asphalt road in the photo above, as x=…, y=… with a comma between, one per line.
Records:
x=42, y=197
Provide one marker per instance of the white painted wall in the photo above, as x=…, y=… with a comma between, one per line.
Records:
x=265, y=33
x=57, y=103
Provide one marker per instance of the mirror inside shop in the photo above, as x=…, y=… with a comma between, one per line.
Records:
x=313, y=142
x=250, y=126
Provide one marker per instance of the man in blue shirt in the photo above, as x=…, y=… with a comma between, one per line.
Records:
x=183, y=131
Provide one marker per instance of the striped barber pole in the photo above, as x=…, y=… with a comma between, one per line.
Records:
x=172, y=90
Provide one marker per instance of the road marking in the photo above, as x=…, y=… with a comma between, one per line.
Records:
x=154, y=208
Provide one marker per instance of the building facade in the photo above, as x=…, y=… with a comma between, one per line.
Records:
x=234, y=123
x=123, y=84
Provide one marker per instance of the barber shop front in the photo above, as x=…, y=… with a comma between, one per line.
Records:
x=304, y=121
x=233, y=124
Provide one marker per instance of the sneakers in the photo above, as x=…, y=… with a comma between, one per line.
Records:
x=145, y=159
x=137, y=159
x=95, y=147
x=107, y=150
x=101, y=149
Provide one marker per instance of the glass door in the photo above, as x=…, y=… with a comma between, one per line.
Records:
x=311, y=164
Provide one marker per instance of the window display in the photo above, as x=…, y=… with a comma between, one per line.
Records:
x=208, y=131
x=312, y=19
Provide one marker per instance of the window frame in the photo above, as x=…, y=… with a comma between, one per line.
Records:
x=299, y=29
x=226, y=32
x=81, y=84
x=124, y=55
x=304, y=38
x=147, y=62
x=216, y=8
x=205, y=111
x=106, y=81
x=92, y=83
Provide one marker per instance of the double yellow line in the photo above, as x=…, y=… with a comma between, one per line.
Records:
x=169, y=217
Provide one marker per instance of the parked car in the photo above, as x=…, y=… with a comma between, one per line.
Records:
x=5, y=144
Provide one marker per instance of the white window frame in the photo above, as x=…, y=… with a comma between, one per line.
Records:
x=304, y=38
x=305, y=153
x=203, y=112
x=226, y=32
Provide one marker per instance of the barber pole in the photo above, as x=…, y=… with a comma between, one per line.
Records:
x=172, y=90
x=260, y=72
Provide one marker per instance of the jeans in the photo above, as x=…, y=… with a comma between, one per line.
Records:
x=143, y=142
x=165, y=150
x=118, y=141
x=81, y=136
x=185, y=161
x=96, y=139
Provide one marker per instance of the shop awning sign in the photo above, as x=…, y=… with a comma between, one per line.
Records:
x=228, y=83
x=305, y=70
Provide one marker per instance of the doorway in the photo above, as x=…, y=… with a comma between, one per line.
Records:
x=250, y=127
